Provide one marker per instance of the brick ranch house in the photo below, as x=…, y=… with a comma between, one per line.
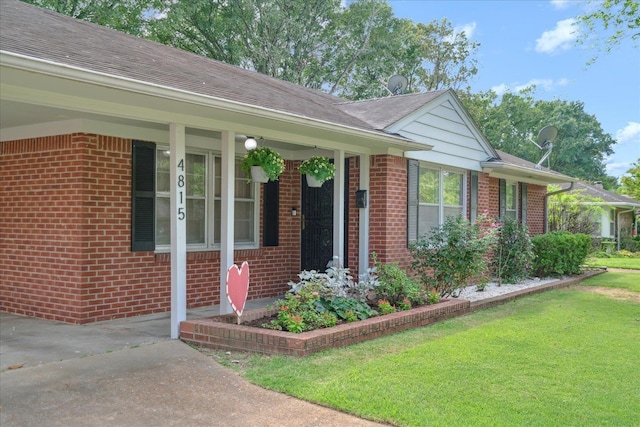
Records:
x=95, y=125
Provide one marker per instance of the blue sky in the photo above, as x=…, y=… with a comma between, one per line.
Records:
x=525, y=42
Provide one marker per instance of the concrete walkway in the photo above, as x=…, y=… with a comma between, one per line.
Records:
x=129, y=373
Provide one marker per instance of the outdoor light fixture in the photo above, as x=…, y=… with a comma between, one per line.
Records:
x=250, y=143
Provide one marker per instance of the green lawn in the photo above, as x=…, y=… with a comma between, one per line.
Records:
x=628, y=263
x=566, y=357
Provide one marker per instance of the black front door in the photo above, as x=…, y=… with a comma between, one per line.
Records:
x=317, y=224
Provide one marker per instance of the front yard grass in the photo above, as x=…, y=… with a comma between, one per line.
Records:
x=566, y=357
x=625, y=263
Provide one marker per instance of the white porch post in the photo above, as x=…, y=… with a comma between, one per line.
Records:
x=338, y=206
x=227, y=215
x=177, y=201
x=363, y=243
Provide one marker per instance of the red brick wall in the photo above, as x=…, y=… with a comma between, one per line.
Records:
x=65, y=236
x=65, y=233
x=535, y=208
x=388, y=209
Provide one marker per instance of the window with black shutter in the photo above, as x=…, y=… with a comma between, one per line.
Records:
x=502, y=198
x=412, y=200
x=143, y=193
x=523, y=203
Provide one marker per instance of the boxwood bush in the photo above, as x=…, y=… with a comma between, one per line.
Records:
x=560, y=253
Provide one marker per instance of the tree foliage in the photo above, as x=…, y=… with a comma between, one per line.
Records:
x=613, y=21
x=572, y=211
x=513, y=121
x=631, y=181
x=128, y=16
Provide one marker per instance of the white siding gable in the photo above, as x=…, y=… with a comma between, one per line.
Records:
x=445, y=124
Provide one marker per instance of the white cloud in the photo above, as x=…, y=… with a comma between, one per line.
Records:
x=560, y=38
x=500, y=89
x=617, y=169
x=560, y=4
x=468, y=29
x=630, y=133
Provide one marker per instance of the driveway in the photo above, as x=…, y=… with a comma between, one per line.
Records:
x=122, y=373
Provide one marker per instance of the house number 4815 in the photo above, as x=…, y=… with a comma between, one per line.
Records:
x=180, y=176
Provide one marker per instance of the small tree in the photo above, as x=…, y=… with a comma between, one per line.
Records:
x=513, y=256
x=573, y=211
x=450, y=255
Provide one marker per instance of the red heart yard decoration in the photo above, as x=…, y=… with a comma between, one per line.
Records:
x=238, y=286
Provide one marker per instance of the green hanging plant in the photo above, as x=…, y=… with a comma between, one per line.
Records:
x=318, y=167
x=271, y=161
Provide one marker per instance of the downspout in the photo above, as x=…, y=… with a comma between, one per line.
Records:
x=546, y=198
x=620, y=213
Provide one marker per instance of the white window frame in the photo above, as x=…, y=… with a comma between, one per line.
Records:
x=514, y=185
x=210, y=199
x=441, y=206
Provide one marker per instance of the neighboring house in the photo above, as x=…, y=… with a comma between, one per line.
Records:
x=618, y=217
x=99, y=129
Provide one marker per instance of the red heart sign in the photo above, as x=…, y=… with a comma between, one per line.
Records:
x=238, y=286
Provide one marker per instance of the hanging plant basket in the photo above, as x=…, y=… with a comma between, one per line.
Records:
x=318, y=170
x=258, y=174
x=271, y=163
x=313, y=181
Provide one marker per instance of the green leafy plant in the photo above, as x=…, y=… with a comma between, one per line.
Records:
x=395, y=286
x=270, y=160
x=560, y=253
x=448, y=257
x=513, y=256
x=348, y=309
x=385, y=307
x=301, y=312
x=318, y=167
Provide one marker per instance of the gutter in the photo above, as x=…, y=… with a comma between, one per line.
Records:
x=546, y=210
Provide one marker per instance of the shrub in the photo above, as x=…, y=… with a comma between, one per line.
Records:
x=512, y=258
x=347, y=309
x=301, y=312
x=560, y=253
x=336, y=281
x=385, y=307
x=395, y=286
x=450, y=255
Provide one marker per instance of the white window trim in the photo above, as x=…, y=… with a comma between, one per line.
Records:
x=441, y=170
x=209, y=244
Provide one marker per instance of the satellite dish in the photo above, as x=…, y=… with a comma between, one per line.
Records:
x=397, y=84
x=546, y=136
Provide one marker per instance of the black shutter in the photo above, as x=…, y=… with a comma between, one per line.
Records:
x=502, y=198
x=473, y=196
x=270, y=213
x=143, y=195
x=523, y=203
x=413, y=176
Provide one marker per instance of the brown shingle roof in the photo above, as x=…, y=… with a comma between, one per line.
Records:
x=594, y=190
x=39, y=33
x=383, y=112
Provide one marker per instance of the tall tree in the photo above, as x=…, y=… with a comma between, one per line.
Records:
x=128, y=16
x=512, y=122
x=631, y=181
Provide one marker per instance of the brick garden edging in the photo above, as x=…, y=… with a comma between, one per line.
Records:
x=222, y=332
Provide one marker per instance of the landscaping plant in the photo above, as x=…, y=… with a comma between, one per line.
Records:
x=451, y=255
x=395, y=286
x=560, y=253
x=513, y=256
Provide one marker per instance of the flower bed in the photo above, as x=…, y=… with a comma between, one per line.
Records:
x=222, y=332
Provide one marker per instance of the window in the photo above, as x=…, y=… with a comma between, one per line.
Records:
x=435, y=194
x=512, y=200
x=203, y=202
